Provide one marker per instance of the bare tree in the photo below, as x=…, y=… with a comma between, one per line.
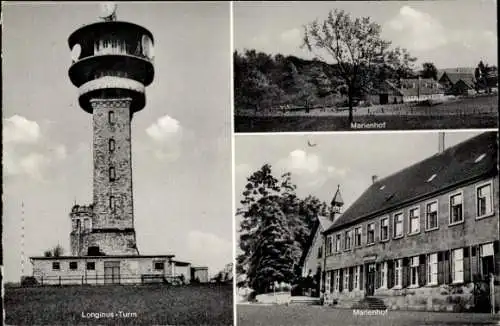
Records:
x=356, y=46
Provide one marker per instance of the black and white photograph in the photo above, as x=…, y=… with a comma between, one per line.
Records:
x=367, y=229
x=365, y=65
x=117, y=171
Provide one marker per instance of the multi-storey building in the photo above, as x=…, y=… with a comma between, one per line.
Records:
x=425, y=237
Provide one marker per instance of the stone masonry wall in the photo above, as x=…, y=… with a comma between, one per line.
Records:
x=110, y=243
x=120, y=158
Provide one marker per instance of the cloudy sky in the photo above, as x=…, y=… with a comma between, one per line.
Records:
x=346, y=159
x=449, y=33
x=181, y=140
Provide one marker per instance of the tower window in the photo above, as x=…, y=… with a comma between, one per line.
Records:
x=111, y=145
x=111, y=117
x=112, y=174
x=73, y=265
x=112, y=203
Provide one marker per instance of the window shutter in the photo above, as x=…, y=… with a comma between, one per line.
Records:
x=467, y=257
x=341, y=279
x=361, y=284
x=440, y=267
x=378, y=274
x=474, y=266
x=447, y=267
x=422, y=275
x=351, y=277
x=406, y=270
x=390, y=274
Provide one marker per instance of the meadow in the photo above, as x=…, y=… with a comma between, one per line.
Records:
x=209, y=304
x=469, y=113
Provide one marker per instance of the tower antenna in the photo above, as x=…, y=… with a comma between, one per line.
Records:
x=22, y=239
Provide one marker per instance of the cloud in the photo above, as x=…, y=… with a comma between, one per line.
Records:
x=18, y=129
x=299, y=161
x=292, y=36
x=207, y=248
x=26, y=151
x=164, y=128
x=416, y=30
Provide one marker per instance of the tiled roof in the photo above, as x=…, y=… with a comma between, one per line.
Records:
x=459, y=70
x=455, y=77
x=454, y=166
x=324, y=222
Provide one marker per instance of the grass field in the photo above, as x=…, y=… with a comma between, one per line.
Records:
x=140, y=305
x=300, y=315
x=480, y=112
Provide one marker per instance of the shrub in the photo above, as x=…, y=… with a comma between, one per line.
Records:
x=28, y=281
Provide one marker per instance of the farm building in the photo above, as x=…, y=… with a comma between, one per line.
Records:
x=421, y=236
x=420, y=89
x=458, y=83
x=199, y=274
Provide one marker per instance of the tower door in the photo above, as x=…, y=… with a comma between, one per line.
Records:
x=370, y=280
x=112, y=272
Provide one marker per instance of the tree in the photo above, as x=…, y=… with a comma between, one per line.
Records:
x=56, y=251
x=274, y=257
x=356, y=46
x=429, y=71
x=486, y=76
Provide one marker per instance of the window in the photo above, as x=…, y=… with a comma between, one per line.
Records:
x=357, y=236
x=370, y=236
x=112, y=203
x=348, y=240
x=320, y=251
x=327, y=281
x=356, y=282
x=336, y=283
x=414, y=271
x=159, y=265
x=86, y=224
x=346, y=279
x=328, y=250
x=384, y=229
x=398, y=225
x=398, y=273
x=456, y=209
x=111, y=117
x=383, y=275
x=431, y=215
x=457, y=265
x=111, y=145
x=73, y=265
x=337, y=242
x=112, y=174
x=414, y=219
x=432, y=269
x=56, y=266
x=484, y=200
x=91, y=266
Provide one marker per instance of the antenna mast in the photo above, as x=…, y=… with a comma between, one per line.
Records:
x=22, y=239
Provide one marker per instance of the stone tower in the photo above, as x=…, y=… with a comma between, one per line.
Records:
x=112, y=64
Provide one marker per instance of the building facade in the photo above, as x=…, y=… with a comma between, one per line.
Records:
x=422, y=238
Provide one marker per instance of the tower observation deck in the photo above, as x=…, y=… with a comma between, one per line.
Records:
x=112, y=63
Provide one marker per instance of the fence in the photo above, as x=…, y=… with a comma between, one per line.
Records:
x=44, y=280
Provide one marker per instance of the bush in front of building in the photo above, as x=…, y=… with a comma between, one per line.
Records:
x=28, y=281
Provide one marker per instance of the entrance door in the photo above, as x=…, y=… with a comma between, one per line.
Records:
x=112, y=272
x=370, y=280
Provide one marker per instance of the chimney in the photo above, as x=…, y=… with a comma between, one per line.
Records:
x=441, y=142
x=374, y=178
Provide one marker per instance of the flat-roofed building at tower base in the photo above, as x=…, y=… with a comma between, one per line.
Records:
x=424, y=238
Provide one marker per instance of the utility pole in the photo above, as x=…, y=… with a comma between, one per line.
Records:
x=22, y=239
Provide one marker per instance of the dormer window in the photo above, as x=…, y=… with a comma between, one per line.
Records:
x=479, y=158
x=431, y=178
x=382, y=188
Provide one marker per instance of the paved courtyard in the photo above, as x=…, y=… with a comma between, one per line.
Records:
x=301, y=315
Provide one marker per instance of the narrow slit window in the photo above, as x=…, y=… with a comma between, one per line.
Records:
x=112, y=174
x=112, y=203
x=479, y=158
x=111, y=117
x=111, y=145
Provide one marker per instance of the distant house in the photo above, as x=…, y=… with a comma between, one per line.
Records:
x=386, y=93
x=464, y=77
x=420, y=89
